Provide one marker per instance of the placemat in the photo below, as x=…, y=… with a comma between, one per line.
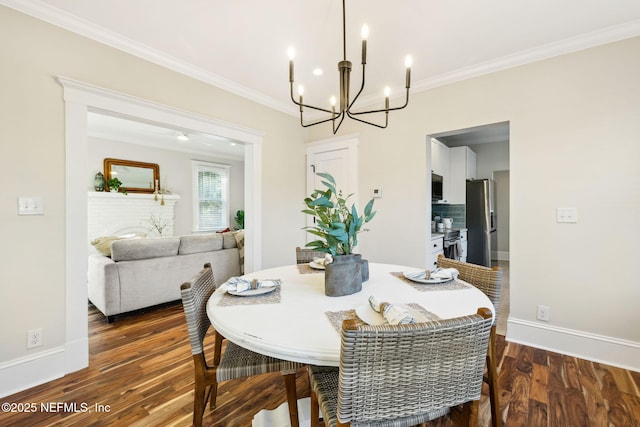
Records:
x=337, y=317
x=270, y=298
x=451, y=285
x=306, y=269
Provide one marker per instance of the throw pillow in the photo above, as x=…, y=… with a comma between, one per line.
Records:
x=103, y=244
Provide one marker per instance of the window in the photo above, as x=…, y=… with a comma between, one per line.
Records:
x=210, y=196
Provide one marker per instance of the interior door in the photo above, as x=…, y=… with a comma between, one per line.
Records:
x=337, y=159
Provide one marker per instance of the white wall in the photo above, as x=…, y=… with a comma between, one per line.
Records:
x=175, y=174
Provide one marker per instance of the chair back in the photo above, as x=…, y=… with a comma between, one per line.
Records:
x=305, y=255
x=195, y=293
x=488, y=280
x=403, y=372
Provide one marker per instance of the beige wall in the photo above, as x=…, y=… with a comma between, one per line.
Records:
x=574, y=142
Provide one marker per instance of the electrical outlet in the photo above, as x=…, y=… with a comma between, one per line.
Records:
x=34, y=338
x=543, y=312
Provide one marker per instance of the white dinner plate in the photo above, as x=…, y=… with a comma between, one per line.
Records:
x=372, y=317
x=420, y=278
x=315, y=265
x=253, y=292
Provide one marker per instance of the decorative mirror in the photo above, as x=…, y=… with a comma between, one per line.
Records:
x=136, y=177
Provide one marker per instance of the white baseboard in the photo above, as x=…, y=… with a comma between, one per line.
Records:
x=597, y=348
x=26, y=372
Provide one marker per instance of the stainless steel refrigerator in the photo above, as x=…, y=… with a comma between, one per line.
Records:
x=481, y=222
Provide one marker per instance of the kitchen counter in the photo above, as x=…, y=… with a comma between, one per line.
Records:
x=435, y=234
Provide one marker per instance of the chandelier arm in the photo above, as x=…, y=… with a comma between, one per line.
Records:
x=314, y=123
x=333, y=113
x=335, y=129
x=359, y=92
x=386, y=123
x=351, y=114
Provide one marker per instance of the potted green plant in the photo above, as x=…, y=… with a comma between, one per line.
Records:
x=337, y=226
x=239, y=219
x=114, y=184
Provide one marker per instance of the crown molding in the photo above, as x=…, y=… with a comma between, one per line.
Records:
x=87, y=29
x=562, y=47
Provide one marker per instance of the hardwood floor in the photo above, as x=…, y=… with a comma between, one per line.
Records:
x=141, y=373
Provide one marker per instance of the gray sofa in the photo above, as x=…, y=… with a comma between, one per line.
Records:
x=145, y=272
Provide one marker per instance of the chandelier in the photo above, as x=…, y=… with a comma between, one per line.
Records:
x=344, y=68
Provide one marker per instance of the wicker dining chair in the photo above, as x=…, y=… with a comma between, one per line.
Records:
x=489, y=281
x=305, y=255
x=234, y=362
x=404, y=375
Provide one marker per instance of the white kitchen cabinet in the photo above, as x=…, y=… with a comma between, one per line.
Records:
x=462, y=166
x=440, y=165
x=463, y=241
x=439, y=158
x=435, y=248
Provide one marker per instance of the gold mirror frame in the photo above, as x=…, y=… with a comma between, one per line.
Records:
x=134, y=175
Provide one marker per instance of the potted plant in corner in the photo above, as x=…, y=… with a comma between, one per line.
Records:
x=337, y=227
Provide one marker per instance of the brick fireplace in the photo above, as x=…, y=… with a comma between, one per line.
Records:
x=115, y=214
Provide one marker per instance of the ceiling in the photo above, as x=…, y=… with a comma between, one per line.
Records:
x=115, y=128
x=495, y=132
x=241, y=45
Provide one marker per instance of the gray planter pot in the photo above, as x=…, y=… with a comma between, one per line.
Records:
x=343, y=276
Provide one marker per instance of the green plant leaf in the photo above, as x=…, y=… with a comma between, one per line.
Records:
x=327, y=176
x=368, y=208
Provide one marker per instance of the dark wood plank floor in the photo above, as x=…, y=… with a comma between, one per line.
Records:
x=141, y=374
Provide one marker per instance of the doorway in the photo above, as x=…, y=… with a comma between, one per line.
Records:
x=80, y=99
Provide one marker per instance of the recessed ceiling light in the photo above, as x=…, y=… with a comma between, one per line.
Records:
x=183, y=136
x=317, y=72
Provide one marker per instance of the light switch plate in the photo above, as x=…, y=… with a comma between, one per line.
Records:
x=30, y=206
x=376, y=193
x=567, y=215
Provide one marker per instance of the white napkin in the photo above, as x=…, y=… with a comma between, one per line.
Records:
x=239, y=284
x=392, y=313
x=444, y=273
x=327, y=259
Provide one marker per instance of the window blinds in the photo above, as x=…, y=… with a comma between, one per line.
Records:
x=212, y=197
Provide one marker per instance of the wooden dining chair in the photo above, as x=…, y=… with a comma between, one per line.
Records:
x=234, y=362
x=306, y=255
x=404, y=375
x=489, y=281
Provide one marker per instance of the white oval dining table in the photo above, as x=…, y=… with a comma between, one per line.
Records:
x=294, y=324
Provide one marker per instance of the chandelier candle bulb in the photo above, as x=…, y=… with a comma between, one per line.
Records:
x=364, y=33
x=387, y=92
x=291, y=54
x=407, y=62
